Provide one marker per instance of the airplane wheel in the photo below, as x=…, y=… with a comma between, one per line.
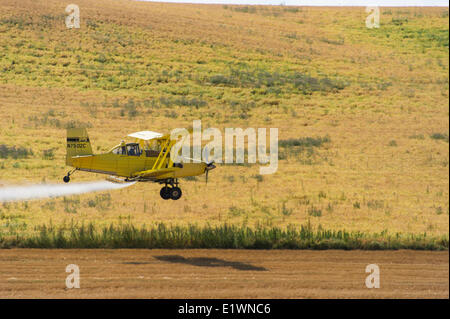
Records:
x=165, y=193
x=175, y=193
x=66, y=179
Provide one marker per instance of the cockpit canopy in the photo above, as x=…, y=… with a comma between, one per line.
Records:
x=148, y=143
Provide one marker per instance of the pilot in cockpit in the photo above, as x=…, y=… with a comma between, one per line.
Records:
x=123, y=149
x=133, y=150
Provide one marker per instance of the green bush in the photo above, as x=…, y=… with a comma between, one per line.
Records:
x=305, y=141
x=439, y=136
x=14, y=152
x=314, y=211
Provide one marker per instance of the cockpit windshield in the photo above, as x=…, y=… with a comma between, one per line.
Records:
x=120, y=150
x=130, y=149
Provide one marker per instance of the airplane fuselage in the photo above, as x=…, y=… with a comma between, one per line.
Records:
x=127, y=166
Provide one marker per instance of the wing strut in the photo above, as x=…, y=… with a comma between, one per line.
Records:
x=165, y=149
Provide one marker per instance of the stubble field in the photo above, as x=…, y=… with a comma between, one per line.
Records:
x=213, y=273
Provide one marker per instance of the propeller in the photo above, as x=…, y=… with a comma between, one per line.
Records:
x=209, y=164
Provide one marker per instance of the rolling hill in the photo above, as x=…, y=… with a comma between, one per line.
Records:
x=363, y=114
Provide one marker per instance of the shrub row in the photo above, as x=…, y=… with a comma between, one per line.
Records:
x=223, y=236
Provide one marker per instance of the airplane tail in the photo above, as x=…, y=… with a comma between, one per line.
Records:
x=77, y=144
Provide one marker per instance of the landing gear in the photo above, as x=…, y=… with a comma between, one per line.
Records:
x=173, y=192
x=165, y=193
x=66, y=178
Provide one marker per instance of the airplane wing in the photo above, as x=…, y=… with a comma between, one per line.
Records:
x=156, y=173
x=150, y=135
x=146, y=135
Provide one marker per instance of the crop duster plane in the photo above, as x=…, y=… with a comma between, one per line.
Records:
x=146, y=159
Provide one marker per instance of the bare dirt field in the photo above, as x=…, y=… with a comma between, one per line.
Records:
x=139, y=273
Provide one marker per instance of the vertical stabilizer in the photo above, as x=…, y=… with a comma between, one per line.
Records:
x=77, y=144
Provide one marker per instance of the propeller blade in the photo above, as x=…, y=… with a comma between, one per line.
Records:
x=206, y=154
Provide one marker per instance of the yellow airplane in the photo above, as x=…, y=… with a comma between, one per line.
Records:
x=146, y=159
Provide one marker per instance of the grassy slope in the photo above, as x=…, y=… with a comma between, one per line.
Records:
x=134, y=66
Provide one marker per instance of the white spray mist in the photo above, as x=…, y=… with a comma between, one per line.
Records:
x=20, y=193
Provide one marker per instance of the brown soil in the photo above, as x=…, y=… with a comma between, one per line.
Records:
x=139, y=273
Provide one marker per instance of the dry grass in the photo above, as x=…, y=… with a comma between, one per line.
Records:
x=135, y=66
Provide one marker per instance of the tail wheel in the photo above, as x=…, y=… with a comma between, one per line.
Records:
x=66, y=179
x=175, y=193
x=165, y=193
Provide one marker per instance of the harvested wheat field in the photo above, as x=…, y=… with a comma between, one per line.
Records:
x=139, y=273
